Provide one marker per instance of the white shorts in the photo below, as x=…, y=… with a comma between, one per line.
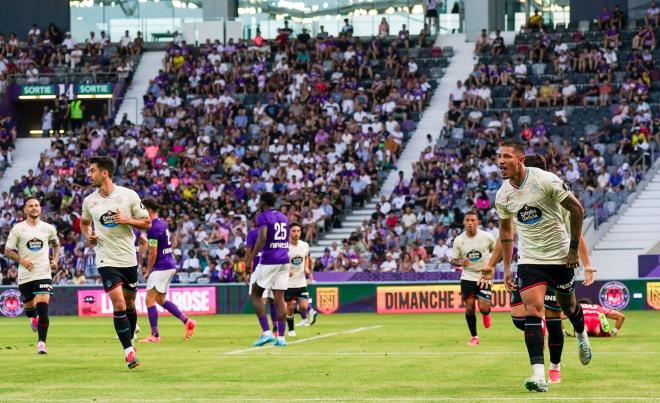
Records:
x=253, y=279
x=160, y=280
x=273, y=276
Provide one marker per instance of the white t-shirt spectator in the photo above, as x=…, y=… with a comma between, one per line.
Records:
x=520, y=70
x=388, y=266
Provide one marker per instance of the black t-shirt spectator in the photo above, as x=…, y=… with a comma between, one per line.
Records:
x=498, y=42
x=303, y=38
x=454, y=115
x=273, y=110
x=592, y=90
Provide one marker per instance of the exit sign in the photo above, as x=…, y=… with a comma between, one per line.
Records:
x=94, y=89
x=38, y=90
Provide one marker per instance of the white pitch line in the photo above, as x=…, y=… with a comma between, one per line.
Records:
x=323, y=336
x=350, y=399
x=435, y=353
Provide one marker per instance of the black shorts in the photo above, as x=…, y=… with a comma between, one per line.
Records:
x=555, y=276
x=431, y=13
x=296, y=293
x=470, y=289
x=32, y=288
x=550, y=299
x=113, y=277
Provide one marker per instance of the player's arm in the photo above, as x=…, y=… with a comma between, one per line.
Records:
x=152, y=253
x=576, y=211
x=11, y=251
x=258, y=244
x=488, y=271
x=55, y=246
x=86, y=228
x=619, y=318
x=457, y=258
x=506, y=240
x=308, y=266
x=589, y=270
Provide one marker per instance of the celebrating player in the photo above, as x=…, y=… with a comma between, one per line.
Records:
x=595, y=319
x=161, y=267
x=273, y=269
x=300, y=267
x=552, y=314
x=547, y=256
x=27, y=244
x=471, y=251
x=115, y=211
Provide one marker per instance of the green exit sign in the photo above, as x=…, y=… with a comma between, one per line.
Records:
x=94, y=89
x=38, y=90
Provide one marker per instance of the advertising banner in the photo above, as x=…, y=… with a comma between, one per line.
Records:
x=191, y=301
x=431, y=299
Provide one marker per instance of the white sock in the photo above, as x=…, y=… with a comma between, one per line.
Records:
x=538, y=370
x=280, y=338
x=267, y=333
x=555, y=367
x=582, y=336
x=128, y=350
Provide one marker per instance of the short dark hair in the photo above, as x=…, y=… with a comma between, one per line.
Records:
x=585, y=301
x=104, y=163
x=519, y=147
x=150, y=204
x=268, y=198
x=535, y=161
x=471, y=212
x=295, y=224
x=25, y=202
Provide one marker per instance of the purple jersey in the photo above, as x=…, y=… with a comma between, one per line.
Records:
x=276, y=248
x=250, y=241
x=159, y=236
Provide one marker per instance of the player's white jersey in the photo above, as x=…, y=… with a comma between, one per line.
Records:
x=116, y=243
x=476, y=249
x=537, y=215
x=297, y=255
x=32, y=243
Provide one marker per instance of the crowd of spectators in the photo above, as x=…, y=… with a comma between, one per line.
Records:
x=591, y=117
x=318, y=121
x=32, y=58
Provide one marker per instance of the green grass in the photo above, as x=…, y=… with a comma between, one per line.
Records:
x=421, y=357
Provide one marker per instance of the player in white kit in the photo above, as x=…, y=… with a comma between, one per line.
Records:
x=28, y=244
x=300, y=267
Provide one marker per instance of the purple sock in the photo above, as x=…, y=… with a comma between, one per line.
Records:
x=303, y=313
x=281, y=327
x=309, y=307
x=174, y=310
x=273, y=314
x=153, y=319
x=263, y=321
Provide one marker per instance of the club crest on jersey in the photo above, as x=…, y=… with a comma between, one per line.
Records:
x=529, y=215
x=474, y=255
x=297, y=260
x=107, y=219
x=35, y=244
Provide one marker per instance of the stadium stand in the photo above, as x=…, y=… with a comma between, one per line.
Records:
x=587, y=99
x=319, y=121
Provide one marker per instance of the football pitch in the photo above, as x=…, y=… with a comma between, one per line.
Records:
x=344, y=357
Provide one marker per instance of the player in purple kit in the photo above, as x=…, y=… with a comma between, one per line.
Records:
x=273, y=269
x=252, y=275
x=161, y=267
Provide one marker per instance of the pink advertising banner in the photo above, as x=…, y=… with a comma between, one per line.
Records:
x=191, y=300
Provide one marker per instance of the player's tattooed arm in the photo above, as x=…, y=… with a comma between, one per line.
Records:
x=576, y=210
x=13, y=255
x=55, y=246
x=506, y=240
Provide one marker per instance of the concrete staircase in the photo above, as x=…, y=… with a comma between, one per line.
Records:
x=133, y=103
x=25, y=157
x=350, y=223
x=629, y=233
